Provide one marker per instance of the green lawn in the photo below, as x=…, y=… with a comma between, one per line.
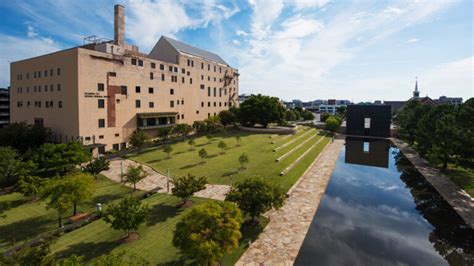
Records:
x=27, y=220
x=155, y=243
x=463, y=177
x=220, y=167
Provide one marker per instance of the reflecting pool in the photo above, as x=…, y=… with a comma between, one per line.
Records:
x=378, y=210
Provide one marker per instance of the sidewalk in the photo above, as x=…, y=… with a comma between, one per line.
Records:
x=282, y=238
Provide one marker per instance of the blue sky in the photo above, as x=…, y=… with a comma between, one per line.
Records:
x=357, y=50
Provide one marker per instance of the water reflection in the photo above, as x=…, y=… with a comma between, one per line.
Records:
x=384, y=216
x=367, y=152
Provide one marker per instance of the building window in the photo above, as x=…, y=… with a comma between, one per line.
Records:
x=123, y=90
x=151, y=104
x=153, y=65
x=39, y=74
x=140, y=62
x=45, y=88
x=182, y=101
x=208, y=67
x=208, y=91
x=101, y=123
x=137, y=89
x=190, y=81
x=134, y=61
x=170, y=68
x=202, y=87
x=182, y=116
x=208, y=104
x=220, y=69
x=175, y=70
x=101, y=136
x=60, y=104
x=202, y=104
x=150, y=90
x=202, y=65
x=137, y=103
x=163, y=77
x=214, y=68
x=101, y=103
x=112, y=74
x=183, y=71
x=367, y=122
x=202, y=77
x=58, y=71
x=182, y=79
x=46, y=73
x=172, y=91
x=171, y=103
x=214, y=92
x=197, y=112
x=162, y=67
x=100, y=86
x=117, y=135
x=151, y=75
x=220, y=92
x=220, y=104
x=215, y=104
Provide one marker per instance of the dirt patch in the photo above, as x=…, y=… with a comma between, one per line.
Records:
x=130, y=238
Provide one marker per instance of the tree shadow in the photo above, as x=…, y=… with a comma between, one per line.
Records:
x=191, y=165
x=229, y=173
x=161, y=212
x=212, y=156
x=155, y=161
x=106, y=198
x=88, y=250
x=202, y=144
x=24, y=229
x=180, y=152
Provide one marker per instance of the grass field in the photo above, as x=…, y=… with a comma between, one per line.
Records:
x=27, y=220
x=223, y=167
x=155, y=243
x=463, y=177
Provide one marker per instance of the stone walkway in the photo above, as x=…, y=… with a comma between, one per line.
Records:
x=155, y=180
x=460, y=200
x=282, y=238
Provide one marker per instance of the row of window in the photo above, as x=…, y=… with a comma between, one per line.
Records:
x=38, y=104
x=39, y=88
x=215, y=104
x=37, y=74
x=214, y=91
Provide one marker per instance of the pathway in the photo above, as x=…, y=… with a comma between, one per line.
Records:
x=155, y=180
x=282, y=238
x=460, y=200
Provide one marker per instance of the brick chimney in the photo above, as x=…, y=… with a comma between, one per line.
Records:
x=119, y=25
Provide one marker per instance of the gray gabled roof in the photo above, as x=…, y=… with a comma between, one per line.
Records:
x=186, y=48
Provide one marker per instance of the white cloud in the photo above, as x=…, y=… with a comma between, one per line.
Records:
x=236, y=42
x=241, y=33
x=31, y=32
x=303, y=4
x=413, y=40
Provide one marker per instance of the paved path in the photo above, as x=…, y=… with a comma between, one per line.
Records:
x=460, y=200
x=282, y=238
x=156, y=180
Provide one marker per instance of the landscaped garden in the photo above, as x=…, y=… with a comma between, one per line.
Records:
x=221, y=166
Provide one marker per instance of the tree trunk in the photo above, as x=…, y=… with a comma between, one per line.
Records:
x=75, y=208
x=59, y=219
x=134, y=187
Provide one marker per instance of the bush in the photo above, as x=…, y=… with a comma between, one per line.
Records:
x=307, y=115
x=127, y=215
x=324, y=116
x=260, y=109
x=186, y=186
x=332, y=124
x=227, y=117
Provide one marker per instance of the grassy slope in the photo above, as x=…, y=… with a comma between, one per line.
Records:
x=220, y=166
x=27, y=220
x=155, y=243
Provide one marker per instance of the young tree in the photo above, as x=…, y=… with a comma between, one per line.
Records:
x=30, y=186
x=60, y=198
x=81, y=187
x=37, y=253
x=445, y=144
x=324, y=116
x=243, y=159
x=164, y=132
x=191, y=143
x=341, y=111
x=307, y=115
x=208, y=231
x=168, y=149
x=255, y=196
x=290, y=115
x=209, y=138
x=96, y=166
x=11, y=166
x=127, y=215
x=138, y=140
x=202, y=154
x=238, y=139
x=134, y=175
x=222, y=146
x=186, y=186
x=332, y=124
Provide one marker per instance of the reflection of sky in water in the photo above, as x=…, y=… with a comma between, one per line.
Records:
x=368, y=217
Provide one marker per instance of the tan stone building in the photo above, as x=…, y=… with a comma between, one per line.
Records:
x=103, y=91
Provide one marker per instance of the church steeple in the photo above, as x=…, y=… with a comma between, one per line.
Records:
x=416, y=93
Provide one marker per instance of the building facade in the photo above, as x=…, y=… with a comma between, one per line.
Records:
x=101, y=92
x=368, y=120
x=4, y=107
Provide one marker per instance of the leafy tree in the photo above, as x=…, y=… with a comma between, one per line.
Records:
x=81, y=187
x=30, y=186
x=121, y=258
x=191, y=143
x=59, y=195
x=164, y=132
x=209, y=231
x=263, y=110
x=24, y=137
x=186, y=186
x=96, y=166
x=11, y=166
x=209, y=138
x=307, y=115
x=243, y=159
x=134, y=175
x=238, y=140
x=332, y=124
x=35, y=254
x=255, y=196
x=203, y=154
x=138, y=140
x=168, y=149
x=61, y=158
x=324, y=116
x=407, y=120
x=426, y=125
x=222, y=146
x=290, y=115
x=465, y=134
x=210, y=125
x=444, y=147
x=182, y=129
x=127, y=215
x=341, y=111
x=227, y=117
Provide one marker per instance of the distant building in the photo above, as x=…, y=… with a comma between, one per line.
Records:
x=395, y=105
x=449, y=100
x=368, y=120
x=332, y=105
x=4, y=107
x=243, y=97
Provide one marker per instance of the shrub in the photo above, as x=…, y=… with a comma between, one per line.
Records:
x=186, y=186
x=324, y=116
x=332, y=124
x=127, y=215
